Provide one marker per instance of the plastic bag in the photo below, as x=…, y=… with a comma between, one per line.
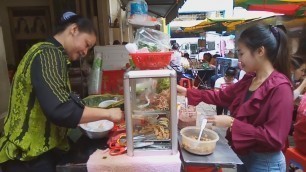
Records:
x=186, y=117
x=95, y=76
x=137, y=8
x=153, y=40
x=137, y=14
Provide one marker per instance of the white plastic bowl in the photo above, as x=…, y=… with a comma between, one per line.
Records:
x=199, y=147
x=97, y=129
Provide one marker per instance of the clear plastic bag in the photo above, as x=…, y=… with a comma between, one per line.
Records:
x=95, y=76
x=187, y=116
x=153, y=40
x=137, y=7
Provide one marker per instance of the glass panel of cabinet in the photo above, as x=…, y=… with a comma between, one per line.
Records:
x=151, y=112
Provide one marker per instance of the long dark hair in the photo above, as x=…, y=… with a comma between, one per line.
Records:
x=84, y=24
x=274, y=40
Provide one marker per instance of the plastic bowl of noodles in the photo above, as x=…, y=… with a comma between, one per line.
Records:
x=97, y=129
x=101, y=128
x=205, y=146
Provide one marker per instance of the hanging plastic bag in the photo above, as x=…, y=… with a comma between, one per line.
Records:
x=139, y=7
x=137, y=11
x=153, y=40
x=95, y=76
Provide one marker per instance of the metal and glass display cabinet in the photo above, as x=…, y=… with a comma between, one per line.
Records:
x=150, y=105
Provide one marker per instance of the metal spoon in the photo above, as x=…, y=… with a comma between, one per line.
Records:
x=204, y=122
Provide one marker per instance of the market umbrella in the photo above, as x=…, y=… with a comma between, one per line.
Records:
x=199, y=27
x=229, y=23
x=231, y=26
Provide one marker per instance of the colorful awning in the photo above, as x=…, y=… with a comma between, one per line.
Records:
x=229, y=23
x=294, y=1
x=287, y=9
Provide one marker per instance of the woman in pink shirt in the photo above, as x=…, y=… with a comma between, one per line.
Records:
x=299, y=134
x=260, y=104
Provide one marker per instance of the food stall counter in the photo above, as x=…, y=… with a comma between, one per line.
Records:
x=83, y=147
x=222, y=157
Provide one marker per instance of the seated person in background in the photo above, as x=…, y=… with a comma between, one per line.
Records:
x=175, y=62
x=187, y=64
x=299, y=134
x=223, y=82
x=176, y=57
x=213, y=65
x=185, y=61
x=230, y=54
x=192, y=62
x=298, y=67
x=206, y=58
x=213, y=61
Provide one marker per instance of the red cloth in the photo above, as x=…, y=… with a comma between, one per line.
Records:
x=299, y=134
x=287, y=9
x=263, y=122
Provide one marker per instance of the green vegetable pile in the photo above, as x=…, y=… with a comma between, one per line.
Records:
x=151, y=47
x=163, y=84
x=94, y=100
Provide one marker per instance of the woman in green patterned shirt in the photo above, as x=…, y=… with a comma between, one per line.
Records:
x=42, y=106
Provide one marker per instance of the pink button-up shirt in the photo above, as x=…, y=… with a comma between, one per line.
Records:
x=299, y=133
x=262, y=123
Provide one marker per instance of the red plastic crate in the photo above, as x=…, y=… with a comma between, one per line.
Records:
x=112, y=82
x=295, y=160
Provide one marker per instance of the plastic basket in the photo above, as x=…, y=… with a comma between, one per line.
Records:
x=154, y=60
